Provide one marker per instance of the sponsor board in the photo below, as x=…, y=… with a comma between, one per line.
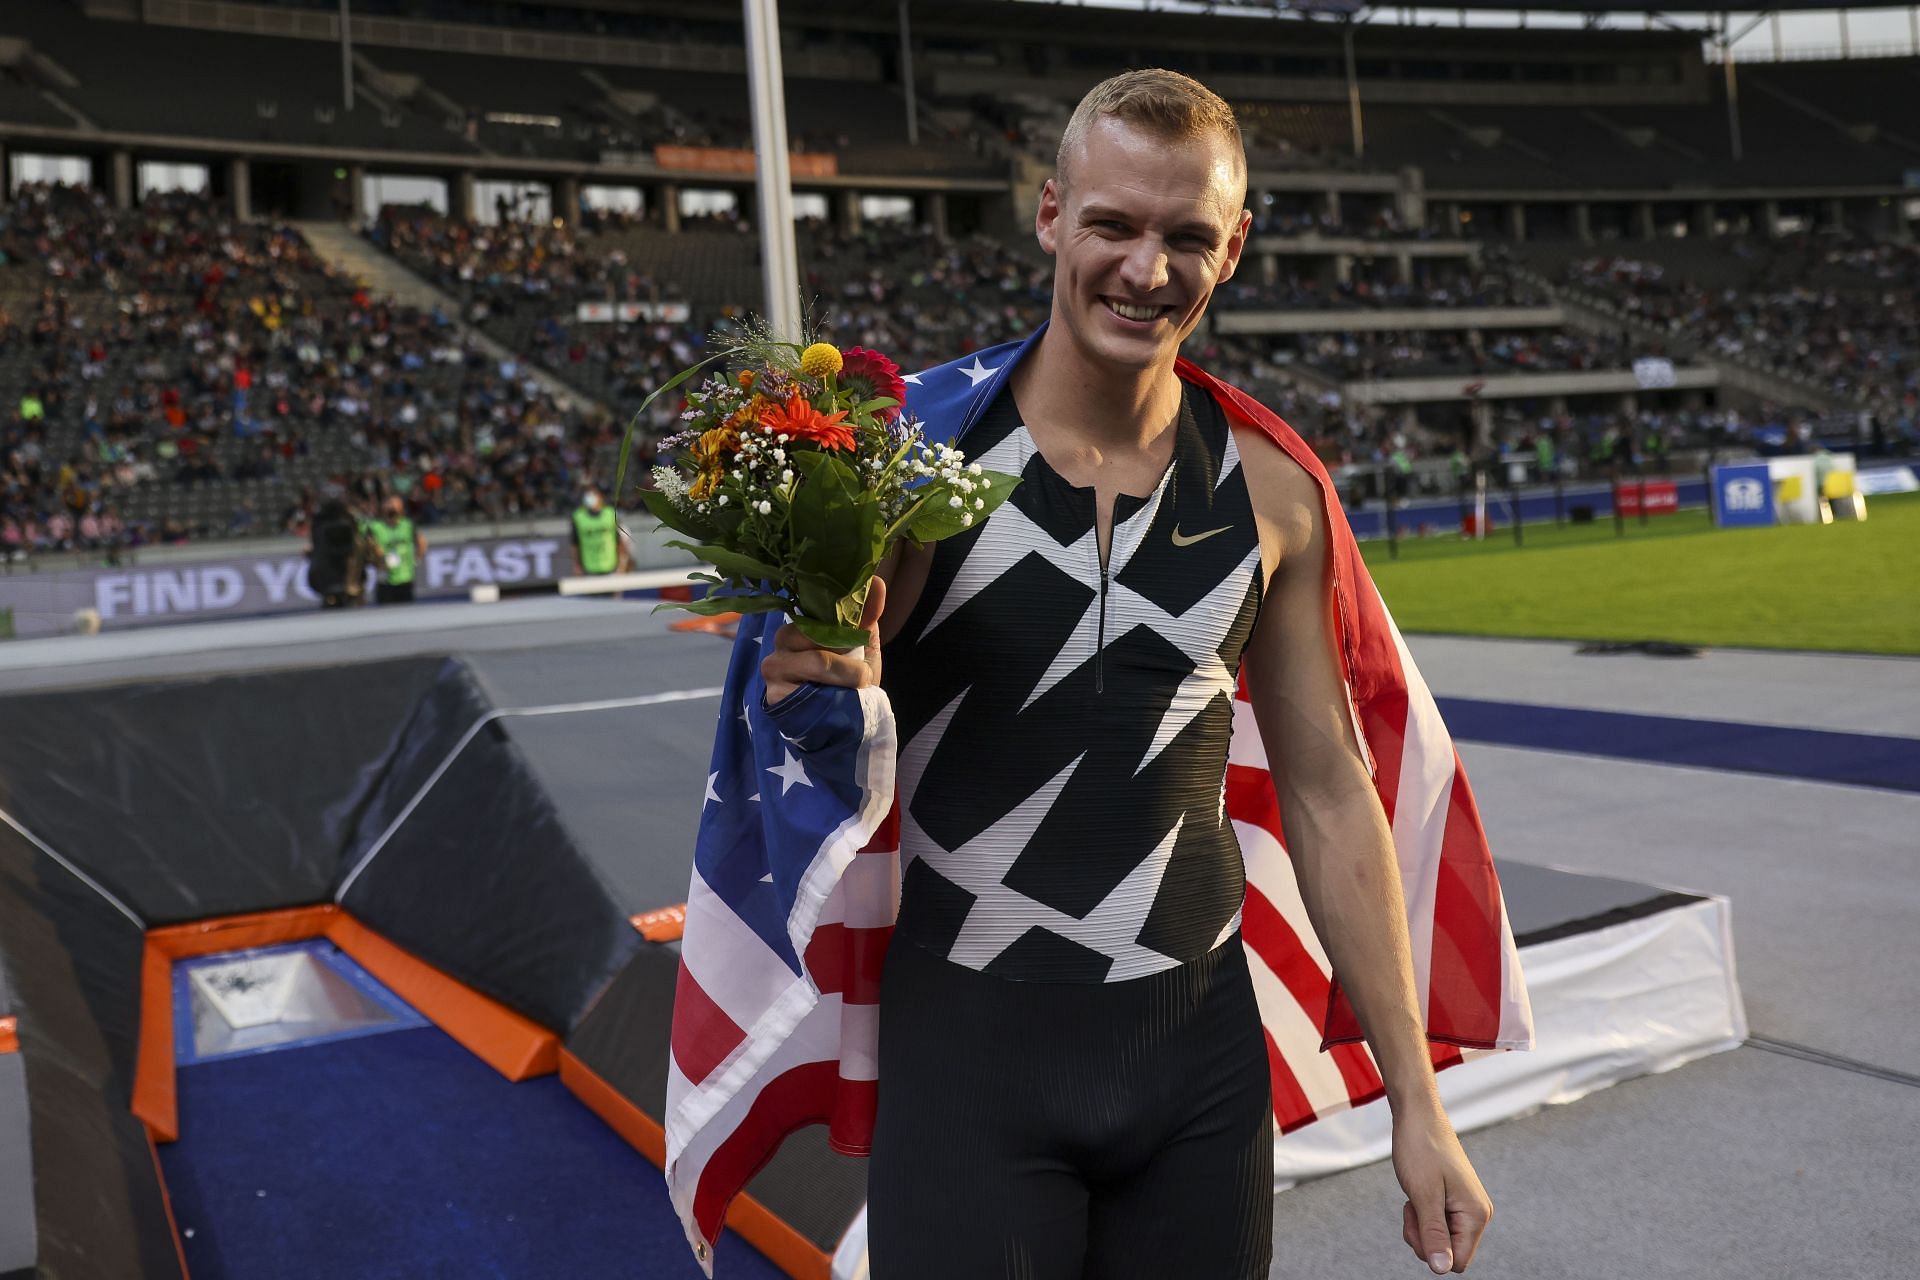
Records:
x=809, y=164
x=1879, y=480
x=1651, y=373
x=629, y=312
x=1743, y=495
x=1660, y=497
x=243, y=586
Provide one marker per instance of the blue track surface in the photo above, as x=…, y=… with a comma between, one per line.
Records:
x=1817, y=755
x=401, y=1155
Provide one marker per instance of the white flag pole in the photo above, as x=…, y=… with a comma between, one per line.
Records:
x=775, y=183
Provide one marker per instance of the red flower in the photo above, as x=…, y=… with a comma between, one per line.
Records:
x=874, y=375
x=801, y=421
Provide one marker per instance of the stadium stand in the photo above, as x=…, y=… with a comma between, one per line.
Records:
x=193, y=377
x=118, y=318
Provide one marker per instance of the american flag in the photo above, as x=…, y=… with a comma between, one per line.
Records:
x=796, y=881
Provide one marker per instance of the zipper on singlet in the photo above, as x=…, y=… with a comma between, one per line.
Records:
x=1100, y=641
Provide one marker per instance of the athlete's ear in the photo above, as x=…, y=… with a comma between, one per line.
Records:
x=1046, y=217
x=1236, y=245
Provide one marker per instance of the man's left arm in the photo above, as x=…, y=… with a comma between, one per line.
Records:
x=1342, y=850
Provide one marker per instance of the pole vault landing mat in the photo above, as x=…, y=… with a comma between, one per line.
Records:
x=352, y=1138
x=475, y=808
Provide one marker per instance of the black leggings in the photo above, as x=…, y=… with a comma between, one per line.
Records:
x=1067, y=1131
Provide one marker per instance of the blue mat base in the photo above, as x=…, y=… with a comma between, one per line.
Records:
x=403, y=1157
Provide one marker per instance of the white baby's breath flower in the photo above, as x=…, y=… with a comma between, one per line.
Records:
x=722, y=499
x=669, y=481
x=952, y=502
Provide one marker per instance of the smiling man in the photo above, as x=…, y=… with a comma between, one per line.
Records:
x=1074, y=1077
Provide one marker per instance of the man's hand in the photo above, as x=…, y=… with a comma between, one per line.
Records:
x=1446, y=1207
x=796, y=660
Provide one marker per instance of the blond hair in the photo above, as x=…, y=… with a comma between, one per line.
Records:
x=1175, y=106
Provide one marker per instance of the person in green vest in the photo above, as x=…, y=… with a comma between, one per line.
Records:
x=598, y=546
x=1462, y=469
x=1544, y=456
x=400, y=549
x=1402, y=468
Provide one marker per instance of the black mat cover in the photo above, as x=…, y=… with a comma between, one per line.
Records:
x=481, y=877
x=73, y=963
x=197, y=798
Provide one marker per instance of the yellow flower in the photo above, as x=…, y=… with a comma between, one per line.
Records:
x=746, y=415
x=714, y=443
x=704, y=484
x=820, y=360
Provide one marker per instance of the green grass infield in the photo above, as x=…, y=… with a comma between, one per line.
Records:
x=1845, y=586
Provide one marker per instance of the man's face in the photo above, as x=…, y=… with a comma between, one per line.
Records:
x=395, y=511
x=1141, y=230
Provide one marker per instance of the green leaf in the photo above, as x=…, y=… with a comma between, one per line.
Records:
x=633, y=423
x=735, y=564
x=935, y=517
x=876, y=404
x=844, y=532
x=831, y=636
x=670, y=514
x=713, y=605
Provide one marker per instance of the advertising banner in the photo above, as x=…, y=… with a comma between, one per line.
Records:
x=1651, y=373
x=810, y=164
x=1661, y=497
x=1877, y=480
x=1743, y=495
x=45, y=604
x=629, y=312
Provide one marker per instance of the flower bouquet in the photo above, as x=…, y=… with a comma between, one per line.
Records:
x=797, y=473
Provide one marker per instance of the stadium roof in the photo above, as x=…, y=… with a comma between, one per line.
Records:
x=1555, y=6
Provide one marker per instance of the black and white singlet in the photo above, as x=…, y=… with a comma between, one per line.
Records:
x=1064, y=724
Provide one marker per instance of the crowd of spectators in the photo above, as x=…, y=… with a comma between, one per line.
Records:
x=1383, y=223
x=1367, y=356
x=1857, y=341
x=169, y=349
x=172, y=348
x=1375, y=289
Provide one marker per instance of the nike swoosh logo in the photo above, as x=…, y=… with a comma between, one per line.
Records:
x=1179, y=541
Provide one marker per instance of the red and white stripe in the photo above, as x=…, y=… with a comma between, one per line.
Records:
x=757, y=1053
x=1466, y=966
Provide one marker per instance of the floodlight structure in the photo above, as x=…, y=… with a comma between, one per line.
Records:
x=767, y=88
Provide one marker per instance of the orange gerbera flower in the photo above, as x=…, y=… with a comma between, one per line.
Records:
x=800, y=420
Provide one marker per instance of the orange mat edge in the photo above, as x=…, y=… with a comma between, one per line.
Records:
x=783, y=1246
x=9, y=1035
x=235, y=933
x=511, y=1043
x=153, y=1099
x=166, y=1203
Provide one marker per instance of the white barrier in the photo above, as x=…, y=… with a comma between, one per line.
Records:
x=597, y=584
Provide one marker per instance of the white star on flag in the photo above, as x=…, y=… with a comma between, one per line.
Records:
x=913, y=378
x=979, y=373
x=791, y=773
x=711, y=793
